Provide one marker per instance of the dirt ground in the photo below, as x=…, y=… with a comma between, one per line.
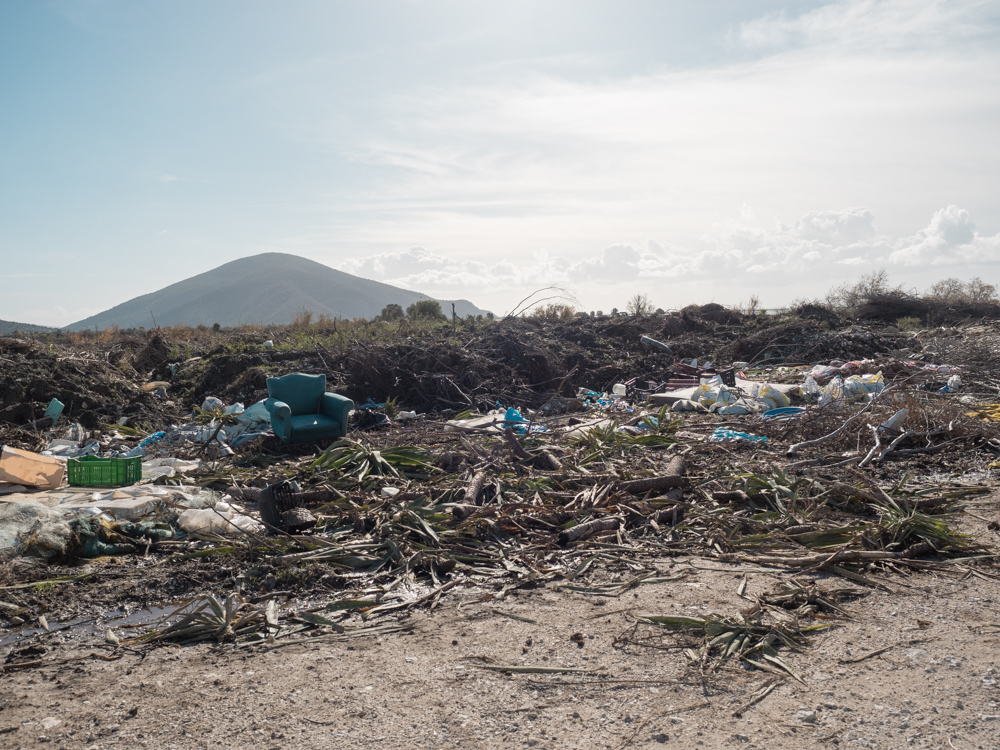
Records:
x=916, y=665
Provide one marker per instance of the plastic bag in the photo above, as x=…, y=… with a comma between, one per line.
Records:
x=32, y=529
x=809, y=390
x=954, y=384
x=769, y=396
x=723, y=435
x=854, y=388
x=713, y=391
x=822, y=371
x=223, y=519
x=256, y=413
x=832, y=391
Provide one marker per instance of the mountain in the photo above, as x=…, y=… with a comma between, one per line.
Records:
x=9, y=326
x=268, y=288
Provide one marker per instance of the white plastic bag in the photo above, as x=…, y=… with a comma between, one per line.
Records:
x=224, y=519
x=809, y=390
x=713, y=391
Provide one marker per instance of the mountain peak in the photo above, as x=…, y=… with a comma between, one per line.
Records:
x=260, y=289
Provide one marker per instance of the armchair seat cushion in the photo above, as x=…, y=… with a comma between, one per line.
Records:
x=313, y=426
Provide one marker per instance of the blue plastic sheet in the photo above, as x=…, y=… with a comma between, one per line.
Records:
x=724, y=435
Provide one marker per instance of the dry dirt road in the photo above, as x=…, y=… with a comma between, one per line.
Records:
x=916, y=666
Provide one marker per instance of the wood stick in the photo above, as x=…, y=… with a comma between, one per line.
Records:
x=843, y=556
x=475, y=487
x=583, y=530
x=792, y=450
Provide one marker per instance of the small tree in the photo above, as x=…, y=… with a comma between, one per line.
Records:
x=979, y=291
x=429, y=309
x=639, y=306
x=953, y=291
x=392, y=311
x=847, y=298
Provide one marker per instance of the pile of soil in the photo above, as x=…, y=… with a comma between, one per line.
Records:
x=518, y=362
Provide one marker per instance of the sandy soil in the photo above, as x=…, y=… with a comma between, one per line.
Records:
x=935, y=683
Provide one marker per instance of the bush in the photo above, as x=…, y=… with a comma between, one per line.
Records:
x=392, y=311
x=814, y=311
x=847, y=299
x=429, y=309
x=303, y=319
x=952, y=291
x=553, y=310
x=888, y=307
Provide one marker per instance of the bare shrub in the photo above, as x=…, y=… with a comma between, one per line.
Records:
x=303, y=319
x=639, y=306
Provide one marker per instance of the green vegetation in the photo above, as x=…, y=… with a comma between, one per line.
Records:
x=427, y=309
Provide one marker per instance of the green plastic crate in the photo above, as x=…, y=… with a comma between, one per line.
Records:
x=91, y=471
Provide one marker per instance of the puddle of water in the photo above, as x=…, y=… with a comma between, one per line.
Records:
x=81, y=628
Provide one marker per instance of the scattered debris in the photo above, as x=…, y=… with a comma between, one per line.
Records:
x=519, y=455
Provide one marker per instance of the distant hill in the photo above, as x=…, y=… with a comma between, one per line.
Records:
x=268, y=288
x=9, y=326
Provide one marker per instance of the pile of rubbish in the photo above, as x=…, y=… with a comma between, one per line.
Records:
x=834, y=465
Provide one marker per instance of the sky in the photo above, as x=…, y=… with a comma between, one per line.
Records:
x=692, y=152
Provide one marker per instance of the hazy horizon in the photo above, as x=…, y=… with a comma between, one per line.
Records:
x=691, y=153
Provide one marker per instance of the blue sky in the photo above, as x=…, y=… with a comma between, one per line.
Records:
x=689, y=151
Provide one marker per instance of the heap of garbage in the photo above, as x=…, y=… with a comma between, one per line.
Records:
x=510, y=454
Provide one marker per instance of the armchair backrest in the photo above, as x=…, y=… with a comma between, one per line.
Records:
x=302, y=392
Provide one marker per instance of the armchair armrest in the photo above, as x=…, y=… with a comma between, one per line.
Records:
x=336, y=407
x=278, y=409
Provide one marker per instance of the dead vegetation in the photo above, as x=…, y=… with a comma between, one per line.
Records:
x=402, y=516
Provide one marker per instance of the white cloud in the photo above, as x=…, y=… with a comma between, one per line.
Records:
x=950, y=239
x=892, y=105
x=804, y=258
x=880, y=24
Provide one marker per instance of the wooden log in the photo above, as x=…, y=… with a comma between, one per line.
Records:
x=547, y=461
x=671, y=478
x=474, y=487
x=515, y=446
x=584, y=530
x=668, y=516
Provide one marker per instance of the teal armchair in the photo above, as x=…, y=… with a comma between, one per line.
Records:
x=301, y=409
